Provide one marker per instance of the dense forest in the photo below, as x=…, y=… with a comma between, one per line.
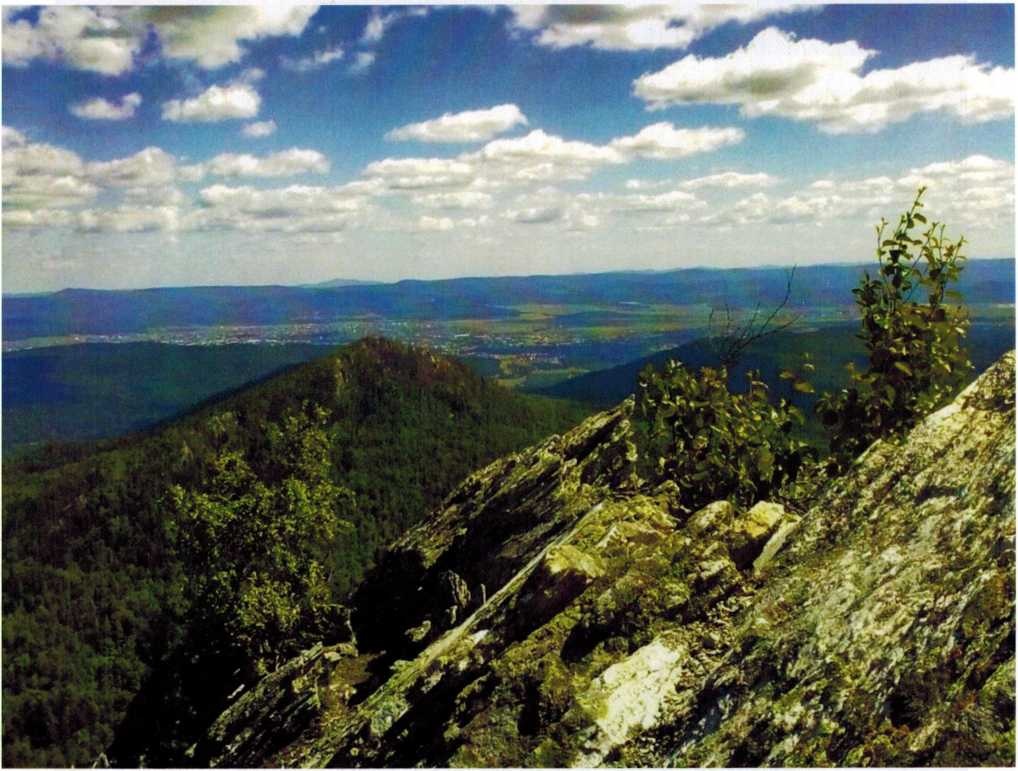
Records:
x=94, y=586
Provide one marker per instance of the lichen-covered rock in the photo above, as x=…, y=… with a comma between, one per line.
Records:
x=614, y=628
x=750, y=532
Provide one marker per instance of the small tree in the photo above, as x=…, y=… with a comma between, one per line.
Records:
x=715, y=444
x=913, y=336
x=249, y=545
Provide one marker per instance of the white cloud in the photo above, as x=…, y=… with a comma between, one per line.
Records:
x=165, y=195
x=811, y=80
x=972, y=192
x=47, y=190
x=633, y=27
x=539, y=156
x=295, y=200
x=259, y=129
x=662, y=141
x=37, y=158
x=669, y=202
x=293, y=209
x=439, y=224
x=211, y=35
x=236, y=100
x=378, y=23
x=462, y=199
x=535, y=215
x=286, y=163
x=102, y=40
x=362, y=62
x=151, y=167
x=12, y=137
x=40, y=176
x=469, y=126
x=103, y=109
x=191, y=173
x=129, y=219
x=421, y=173
x=315, y=61
x=975, y=169
x=35, y=218
x=106, y=39
x=729, y=180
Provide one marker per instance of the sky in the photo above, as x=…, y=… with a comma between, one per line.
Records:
x=193, y=145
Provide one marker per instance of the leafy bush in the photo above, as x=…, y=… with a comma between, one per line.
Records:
x=249, y=545
x=913, y=337
x=715, y=444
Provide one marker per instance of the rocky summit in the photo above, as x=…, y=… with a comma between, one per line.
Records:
x=554, y=611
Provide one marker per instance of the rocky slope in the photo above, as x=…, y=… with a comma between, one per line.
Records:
x=554, y=612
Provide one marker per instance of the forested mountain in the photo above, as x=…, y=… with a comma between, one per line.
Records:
x=93, y=584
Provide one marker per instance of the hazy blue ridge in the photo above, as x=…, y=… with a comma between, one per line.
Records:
x=86, y=311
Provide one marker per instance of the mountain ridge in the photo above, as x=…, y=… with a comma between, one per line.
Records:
x=599, y=623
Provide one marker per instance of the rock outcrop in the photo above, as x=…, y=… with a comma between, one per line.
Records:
x=553, y=612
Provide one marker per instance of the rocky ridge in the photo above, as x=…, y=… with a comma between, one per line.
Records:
x=555, y=612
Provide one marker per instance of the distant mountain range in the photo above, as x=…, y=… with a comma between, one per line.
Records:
x=104, y=312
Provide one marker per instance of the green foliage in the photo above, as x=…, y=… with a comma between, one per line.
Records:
x=716, y=444
x=914, y=337
x=250, y=546
x=92, y=578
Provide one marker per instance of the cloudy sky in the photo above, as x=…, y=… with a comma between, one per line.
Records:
x=157, y=146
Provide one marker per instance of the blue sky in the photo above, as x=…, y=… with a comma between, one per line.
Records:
x=243, y=145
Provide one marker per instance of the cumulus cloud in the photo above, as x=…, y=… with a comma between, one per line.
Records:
x=976, y=191
x=12, y=137
x=38, y=159
x=314, y=61
x=39, y=175
x=236, y=100
x=729, y=180
x=286, y=163
x=662, y=141
x=47, y=190
x=107, y=39
x=461, y=199
x=151, y=167
x=293, y=209
x=259, y=129
x=421, y=173
x=632, y=27
x=211, y=36
x=469, y=126
x=98, y=39
x=811, y=80
x=103, y=109
x=539, y=156
x=535, y=215
x=35, y=218
x=129, y=219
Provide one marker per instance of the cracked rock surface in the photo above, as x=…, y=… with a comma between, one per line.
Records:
x=598, y=623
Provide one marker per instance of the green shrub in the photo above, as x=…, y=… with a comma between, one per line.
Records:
x=913, y=337
x=249, y=546
x=715, y=444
